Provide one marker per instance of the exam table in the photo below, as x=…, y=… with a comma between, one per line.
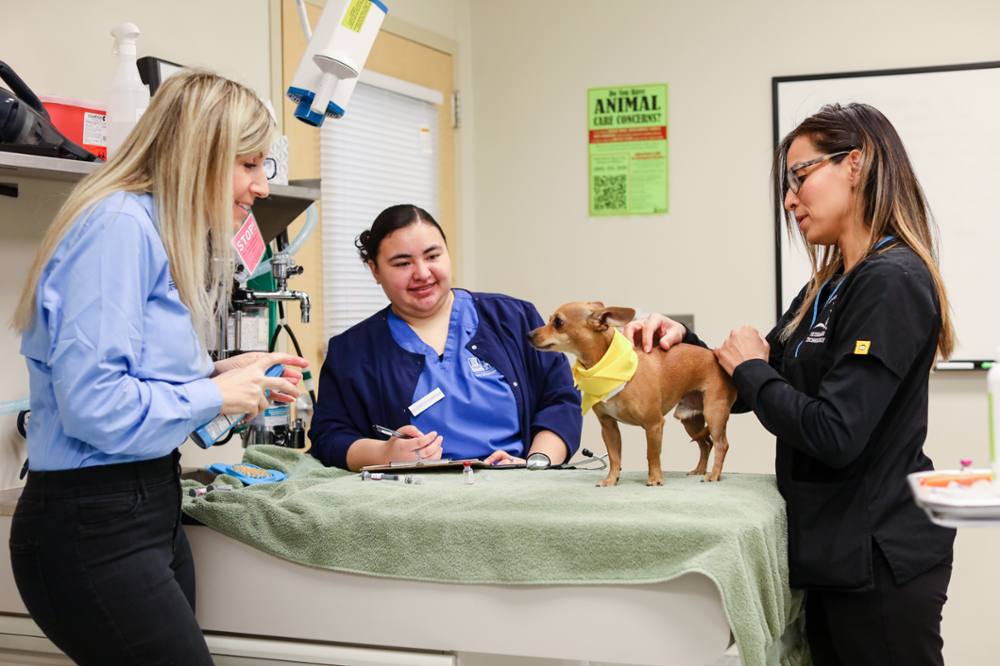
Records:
x=256, y=607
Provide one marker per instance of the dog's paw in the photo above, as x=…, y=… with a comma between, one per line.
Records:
x=651, y=482
x=607, y=483
x=710, y=479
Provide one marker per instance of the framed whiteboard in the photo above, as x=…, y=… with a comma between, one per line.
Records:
x=949, y=121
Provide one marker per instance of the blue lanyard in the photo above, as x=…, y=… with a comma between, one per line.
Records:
x=816, y=308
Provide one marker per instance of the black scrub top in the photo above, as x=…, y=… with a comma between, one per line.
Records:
x=846, y=396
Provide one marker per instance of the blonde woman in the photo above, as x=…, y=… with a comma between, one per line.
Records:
x=114, y=318
x=842, y=382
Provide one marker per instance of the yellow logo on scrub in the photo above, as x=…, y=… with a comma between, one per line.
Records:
x=862, y=346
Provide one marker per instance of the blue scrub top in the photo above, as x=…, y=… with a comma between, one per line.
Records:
x=478, y=414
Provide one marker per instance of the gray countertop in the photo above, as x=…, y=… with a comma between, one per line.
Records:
x=9, y=497
x=8, y=500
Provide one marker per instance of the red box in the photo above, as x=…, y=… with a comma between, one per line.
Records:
x=80, y=120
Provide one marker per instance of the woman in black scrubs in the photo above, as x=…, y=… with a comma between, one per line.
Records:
x=842, y=382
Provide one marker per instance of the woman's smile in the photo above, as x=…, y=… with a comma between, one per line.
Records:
x=414, y=270
x=240, y=212
x=423, y=289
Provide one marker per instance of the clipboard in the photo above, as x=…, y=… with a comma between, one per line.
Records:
x=443, y=463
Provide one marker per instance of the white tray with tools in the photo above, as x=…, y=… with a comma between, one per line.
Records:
x=958, y=498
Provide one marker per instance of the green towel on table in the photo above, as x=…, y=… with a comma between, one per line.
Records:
x=530, y=527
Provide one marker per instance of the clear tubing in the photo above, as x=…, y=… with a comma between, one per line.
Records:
x=11, y=406
x=300, y=5
x=312, y=218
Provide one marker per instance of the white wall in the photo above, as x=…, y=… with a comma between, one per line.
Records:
x=713, y=254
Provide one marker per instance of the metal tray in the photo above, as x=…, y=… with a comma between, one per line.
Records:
x=951, y=511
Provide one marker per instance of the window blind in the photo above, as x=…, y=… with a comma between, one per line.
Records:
x=383, y=152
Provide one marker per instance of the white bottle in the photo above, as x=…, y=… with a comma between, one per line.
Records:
x=467, y=473
x=993, y=398
x=128, y=97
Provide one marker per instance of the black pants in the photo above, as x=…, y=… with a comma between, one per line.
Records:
x=893, y=625
x=103, y=565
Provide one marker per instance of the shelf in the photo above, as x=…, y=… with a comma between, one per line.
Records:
x=47, y=168
x=274, y=214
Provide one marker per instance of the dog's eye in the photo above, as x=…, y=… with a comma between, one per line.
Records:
x=557, y=323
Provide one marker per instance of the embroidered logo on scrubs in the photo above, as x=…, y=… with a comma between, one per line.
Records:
x=862, y=346
x=818, y=332
x=480, y=368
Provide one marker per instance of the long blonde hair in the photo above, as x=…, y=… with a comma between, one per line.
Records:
x=182, y=151
x=890, y=201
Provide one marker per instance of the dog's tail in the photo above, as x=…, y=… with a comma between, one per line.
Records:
x=703, y=436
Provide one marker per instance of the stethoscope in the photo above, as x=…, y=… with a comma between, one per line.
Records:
x=539, y=460
x=817, y=309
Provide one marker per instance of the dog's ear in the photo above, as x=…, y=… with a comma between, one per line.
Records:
x=613, y=317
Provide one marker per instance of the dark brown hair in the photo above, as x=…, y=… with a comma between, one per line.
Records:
x=388, y=221
x=890, y=201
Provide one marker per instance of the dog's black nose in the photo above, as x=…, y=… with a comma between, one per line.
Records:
x=531, y=336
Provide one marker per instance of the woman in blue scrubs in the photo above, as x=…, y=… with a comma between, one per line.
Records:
x=450, y=368
x=115, y=315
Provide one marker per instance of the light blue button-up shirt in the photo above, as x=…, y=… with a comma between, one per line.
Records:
x=116, y=371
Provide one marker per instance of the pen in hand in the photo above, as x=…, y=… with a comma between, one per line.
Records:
x=389, y=432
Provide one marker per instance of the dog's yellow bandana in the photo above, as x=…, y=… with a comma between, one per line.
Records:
x=616, y=367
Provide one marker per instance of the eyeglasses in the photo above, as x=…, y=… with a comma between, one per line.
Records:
x=792, y=180
x=270, y=168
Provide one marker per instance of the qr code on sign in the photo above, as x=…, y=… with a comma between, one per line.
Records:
x=610, y=193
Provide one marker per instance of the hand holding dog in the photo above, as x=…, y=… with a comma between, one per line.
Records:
x=670, y=331
x=743, y=344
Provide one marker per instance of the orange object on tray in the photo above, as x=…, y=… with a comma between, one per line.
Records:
x=942, y=480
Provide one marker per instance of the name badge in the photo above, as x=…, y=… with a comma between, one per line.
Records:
x=420, y=405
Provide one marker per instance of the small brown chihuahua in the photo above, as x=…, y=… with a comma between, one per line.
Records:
x=687, y=377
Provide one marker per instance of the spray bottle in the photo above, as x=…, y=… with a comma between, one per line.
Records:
x=128, y=97
x=211, y=432
x=993, y=402
x=304, y=403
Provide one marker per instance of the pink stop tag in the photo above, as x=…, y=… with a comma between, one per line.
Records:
x=249, y=243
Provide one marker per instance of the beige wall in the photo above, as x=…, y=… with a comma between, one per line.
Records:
x=713, y=254
x=64, y=47
x=523, y=68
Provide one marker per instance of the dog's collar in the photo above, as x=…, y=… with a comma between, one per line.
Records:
x=609, y=375
x=615, y=391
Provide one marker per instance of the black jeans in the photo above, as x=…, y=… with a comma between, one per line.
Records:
x=893, y=625
x=103, y=565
